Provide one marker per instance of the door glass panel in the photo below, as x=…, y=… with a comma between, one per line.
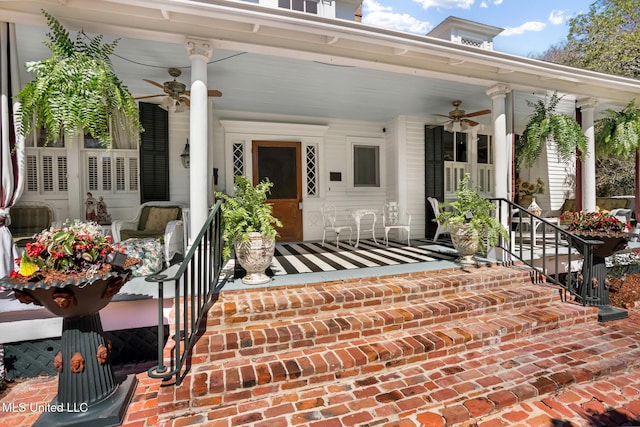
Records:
x=279, y=165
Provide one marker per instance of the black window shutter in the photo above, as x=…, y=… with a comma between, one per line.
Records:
x=154, y=153
x=433, y=174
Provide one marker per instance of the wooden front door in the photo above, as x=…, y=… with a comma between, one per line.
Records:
x=280, y=161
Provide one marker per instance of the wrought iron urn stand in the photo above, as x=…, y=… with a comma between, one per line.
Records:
x=88, y=392
x=593, y=285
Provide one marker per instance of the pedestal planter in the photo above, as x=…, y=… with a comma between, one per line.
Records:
x=592, y=287
x=255, y=257
x=466, y=241
x=88, y=392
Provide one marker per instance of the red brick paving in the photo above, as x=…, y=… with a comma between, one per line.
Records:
x=433, y=355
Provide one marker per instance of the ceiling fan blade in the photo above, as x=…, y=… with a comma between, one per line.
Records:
x=210, y=92
x=185, y=100
x=470, y=122
x=441, y=115
x=149, y=96
x=161, y=86
x=478, y=113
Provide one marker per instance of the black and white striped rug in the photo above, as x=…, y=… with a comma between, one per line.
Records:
x=312, y=257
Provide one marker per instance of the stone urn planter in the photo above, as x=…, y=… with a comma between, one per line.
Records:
x=466, y=241
x=593, y=286
x=88, y=391
x=255, y=257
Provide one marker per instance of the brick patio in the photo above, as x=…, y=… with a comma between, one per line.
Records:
x=479, y=346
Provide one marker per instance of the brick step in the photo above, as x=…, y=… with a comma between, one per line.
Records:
x=255, y=339
x=262, y=304
x=235, y=380
x=484, y=386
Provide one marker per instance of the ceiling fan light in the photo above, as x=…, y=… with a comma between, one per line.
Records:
x=456, y=126
x=180, y=107
x=448, y=126
x=167, y=103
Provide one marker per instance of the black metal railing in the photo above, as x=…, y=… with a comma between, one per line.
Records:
x=194, y=286
x=555, y=254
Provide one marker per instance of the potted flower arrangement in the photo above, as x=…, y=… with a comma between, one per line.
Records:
x=595, y=224
x=472, y=221
x=74, y=272
x=248, y=225
x=526, y=194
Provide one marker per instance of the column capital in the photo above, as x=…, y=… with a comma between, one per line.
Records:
x=584, y=103
x=499, y=89
x=199, y=47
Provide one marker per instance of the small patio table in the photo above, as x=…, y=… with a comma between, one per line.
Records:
x=357, y=215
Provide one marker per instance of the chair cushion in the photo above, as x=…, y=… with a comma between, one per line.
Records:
x=159, y=217
x=141, y=234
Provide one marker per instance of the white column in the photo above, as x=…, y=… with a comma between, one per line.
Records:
x=200, y=52
x=501, y=147
x=587, y=107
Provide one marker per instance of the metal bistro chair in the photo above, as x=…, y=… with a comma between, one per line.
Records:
x=329, y=220
x=391, y=220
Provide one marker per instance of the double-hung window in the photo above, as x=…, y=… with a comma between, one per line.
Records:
x=308, y=6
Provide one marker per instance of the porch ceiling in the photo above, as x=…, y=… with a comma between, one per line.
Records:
x=280, y=62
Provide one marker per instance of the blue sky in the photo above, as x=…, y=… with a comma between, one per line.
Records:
x=530, y=26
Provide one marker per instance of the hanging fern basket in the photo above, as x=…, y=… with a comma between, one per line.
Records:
x=544, y=125
x=76, y=91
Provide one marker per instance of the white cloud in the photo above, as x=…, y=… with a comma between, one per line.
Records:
x=379, y=15
x=484, y=5
x=557, y=17
x=445, y=4
x=532, y=26
x=497, y=2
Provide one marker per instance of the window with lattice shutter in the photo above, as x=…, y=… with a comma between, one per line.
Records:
x=62, y=173
x=120, y=174
x=32, y=173
x=106, y=174
x=93, y=173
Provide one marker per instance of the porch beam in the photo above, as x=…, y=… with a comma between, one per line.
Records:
x=200, y=53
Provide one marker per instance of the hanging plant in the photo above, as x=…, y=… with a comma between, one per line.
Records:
x=618, y=132
x=76, y=90
x=545, y=124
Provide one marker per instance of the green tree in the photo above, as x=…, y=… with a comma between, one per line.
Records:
x=605, y=39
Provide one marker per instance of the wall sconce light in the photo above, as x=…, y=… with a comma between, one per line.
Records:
x=185, y=156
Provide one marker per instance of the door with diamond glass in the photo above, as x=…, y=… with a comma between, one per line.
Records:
x=280, y=161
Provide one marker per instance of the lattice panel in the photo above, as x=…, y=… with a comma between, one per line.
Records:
x=238, y=158
x=33, y=358
x=312, y=171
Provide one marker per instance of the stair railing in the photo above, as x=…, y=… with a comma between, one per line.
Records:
x=194, y=289
x=557, y=256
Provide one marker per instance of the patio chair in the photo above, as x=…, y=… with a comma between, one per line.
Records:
x=391, y=220
x=622, y=214
x=329, y=219
x=435, y=205
x=163, y=221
